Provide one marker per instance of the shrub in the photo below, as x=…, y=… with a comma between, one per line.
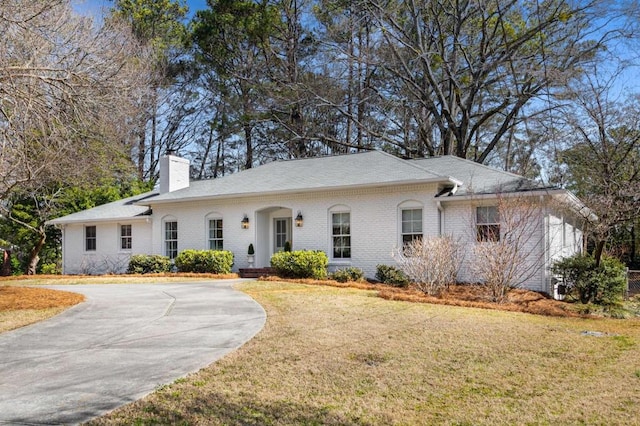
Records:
x=205, y=261
x=348, y=274
x=251, y=250
x=287, y=246
x=300, y=264
x=391, y=275
x=50, y=269
x=431, y=263
x=601, y=285
x=148, y=264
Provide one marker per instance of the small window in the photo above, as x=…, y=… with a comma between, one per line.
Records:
x=341, y=234
x=411, y=225
x=215, y=234
x=171, y=239
x=125, y=237
x=90, y=238
x=488, y=223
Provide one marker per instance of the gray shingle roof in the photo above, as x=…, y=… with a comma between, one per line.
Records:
x=121, y=209
x=478, y=178
x=367, y=169
x=372, y=168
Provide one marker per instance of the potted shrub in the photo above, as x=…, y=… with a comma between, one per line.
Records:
x=251, y=255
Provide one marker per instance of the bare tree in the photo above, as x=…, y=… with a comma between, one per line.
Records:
x=603, y=157
x=509, y=243
x=65, y=90
x=466, y=71
x=66, y=97
x=431, y=263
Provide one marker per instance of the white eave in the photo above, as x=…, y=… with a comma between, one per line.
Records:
x=435, y=180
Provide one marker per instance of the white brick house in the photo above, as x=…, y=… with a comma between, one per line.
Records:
x=357, y=208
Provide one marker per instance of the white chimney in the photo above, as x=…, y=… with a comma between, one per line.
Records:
x=174, y=173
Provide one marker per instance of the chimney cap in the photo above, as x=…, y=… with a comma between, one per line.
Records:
x=171, y=151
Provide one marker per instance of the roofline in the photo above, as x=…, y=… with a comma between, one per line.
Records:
x=136, y=218
x=466, y=160
x=439, y=179
x=574, y=202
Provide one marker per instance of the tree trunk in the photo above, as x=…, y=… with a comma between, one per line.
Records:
x=597, y=253
x=34, y=257
x=6, y=264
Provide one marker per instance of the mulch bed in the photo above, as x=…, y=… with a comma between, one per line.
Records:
x=465, y=295
x=14, y=298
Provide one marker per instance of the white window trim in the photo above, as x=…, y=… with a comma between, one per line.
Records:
x=120, y=237
x=165, y=220
x=336, y=210
x=478, y=224
x=95, y=239
x=208, y=239
x=407, y=205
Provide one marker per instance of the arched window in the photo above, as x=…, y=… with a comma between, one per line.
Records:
x=410, y=220
x=215, y=235
x=340, y=225
x=170, y=236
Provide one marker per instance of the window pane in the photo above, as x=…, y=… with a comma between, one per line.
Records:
x=171, y=239
x=341, y=231
x=411, y=224
x=90, y=238
x=215, y=234
x=487, y=214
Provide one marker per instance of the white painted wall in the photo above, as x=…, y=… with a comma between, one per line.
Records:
x=374, y=223
x=375, y=229
x=107, y=258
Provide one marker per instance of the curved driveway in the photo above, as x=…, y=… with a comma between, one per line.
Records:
x=119, y=345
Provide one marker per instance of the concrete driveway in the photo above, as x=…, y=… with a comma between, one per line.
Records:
x=121, y=344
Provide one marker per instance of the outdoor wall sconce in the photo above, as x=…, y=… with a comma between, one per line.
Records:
x=245, y=222
x=299, y=220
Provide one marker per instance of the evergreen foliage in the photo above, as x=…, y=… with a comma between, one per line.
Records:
x=205, y=261
x=300, y=264
x=148, y=264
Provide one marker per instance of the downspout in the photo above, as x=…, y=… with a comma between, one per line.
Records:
x=547, y=251
x=440, y=218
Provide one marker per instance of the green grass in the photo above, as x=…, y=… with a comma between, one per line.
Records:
x=344, y=356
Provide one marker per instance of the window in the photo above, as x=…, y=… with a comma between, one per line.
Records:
x=90, y=238
x=341, y=233
x=488, y=223
x=215, y=234
x=171, y=239
x=125, y=237
x=411, y=225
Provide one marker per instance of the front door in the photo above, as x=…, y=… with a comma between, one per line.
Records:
x=281, y=233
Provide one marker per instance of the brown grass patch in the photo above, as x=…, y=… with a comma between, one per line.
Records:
x=345, y=357
x=465, y=295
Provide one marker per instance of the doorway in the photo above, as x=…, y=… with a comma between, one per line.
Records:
x=281, y=233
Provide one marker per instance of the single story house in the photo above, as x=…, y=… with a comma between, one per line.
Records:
x=357, y=208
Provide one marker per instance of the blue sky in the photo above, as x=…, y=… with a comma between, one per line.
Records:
x=94, y=7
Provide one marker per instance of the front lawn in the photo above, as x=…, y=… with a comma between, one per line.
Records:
x=343, y=356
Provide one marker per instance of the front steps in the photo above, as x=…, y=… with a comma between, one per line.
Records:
x=255, y=272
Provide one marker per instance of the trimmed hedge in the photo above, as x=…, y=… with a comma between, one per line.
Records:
x=350, y=274
x=205, y=261
x=300, y=264
x=148, y=264
x=391, y=275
